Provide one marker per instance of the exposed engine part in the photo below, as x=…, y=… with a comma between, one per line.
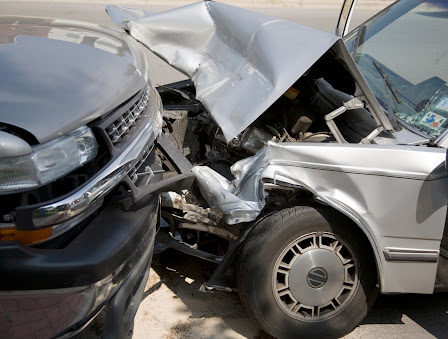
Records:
x=175, y=114
x=302, y=125
x=254, y=139
x=192, y=212
x=169, y=240
x=219, y=231
x=314, y=137
x=286, y=137
x=329, y=118
x=320, y=107
x=185, y=136
x=301, y=118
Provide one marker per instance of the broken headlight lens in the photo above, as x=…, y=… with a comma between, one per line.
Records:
x=48, y=162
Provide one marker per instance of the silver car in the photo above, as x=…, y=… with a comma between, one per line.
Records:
x=319, y=158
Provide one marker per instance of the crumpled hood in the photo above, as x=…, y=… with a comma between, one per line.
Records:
x=240, y=61
x=58, y=75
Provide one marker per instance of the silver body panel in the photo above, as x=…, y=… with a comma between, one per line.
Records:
x=395, y=194
x=240, y=63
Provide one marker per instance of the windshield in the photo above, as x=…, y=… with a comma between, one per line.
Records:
x=403, y=54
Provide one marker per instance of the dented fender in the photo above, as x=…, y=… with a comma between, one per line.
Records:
x=375, y=186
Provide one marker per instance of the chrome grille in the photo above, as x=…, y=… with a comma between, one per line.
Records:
x=124, y=123
x=136, y=171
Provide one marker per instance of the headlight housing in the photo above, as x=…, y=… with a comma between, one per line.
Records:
x=48, y=162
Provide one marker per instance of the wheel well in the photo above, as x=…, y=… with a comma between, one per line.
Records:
x=355, y=227
x=307, y=198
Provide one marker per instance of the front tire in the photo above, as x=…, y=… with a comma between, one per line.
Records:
x=306, y=271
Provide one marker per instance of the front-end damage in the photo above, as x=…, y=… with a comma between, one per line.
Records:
x=256, y=79
x=240, y=61
x=265, y=96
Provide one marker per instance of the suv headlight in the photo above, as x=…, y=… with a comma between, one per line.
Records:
x=48, y=162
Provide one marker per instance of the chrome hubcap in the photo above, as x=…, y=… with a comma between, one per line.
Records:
x=315, y=276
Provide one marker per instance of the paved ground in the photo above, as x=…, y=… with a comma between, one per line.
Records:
x=173, y=307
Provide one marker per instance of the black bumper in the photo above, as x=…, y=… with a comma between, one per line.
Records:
x=57, y=291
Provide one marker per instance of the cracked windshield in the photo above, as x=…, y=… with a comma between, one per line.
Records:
x=403, y=54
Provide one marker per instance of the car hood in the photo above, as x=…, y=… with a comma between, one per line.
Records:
x=58, y=75
x=240, y=61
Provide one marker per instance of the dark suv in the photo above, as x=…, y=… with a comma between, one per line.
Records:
x=81, y=162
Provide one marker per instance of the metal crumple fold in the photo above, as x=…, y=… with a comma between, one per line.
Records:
x=240, y=61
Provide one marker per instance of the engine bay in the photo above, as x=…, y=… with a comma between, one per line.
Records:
x=321, y=107
x=297, y=116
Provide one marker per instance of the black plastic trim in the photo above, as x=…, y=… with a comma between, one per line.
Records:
x=108, y=241
x=176, y=183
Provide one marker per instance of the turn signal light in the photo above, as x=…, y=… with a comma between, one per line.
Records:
x=25, y=237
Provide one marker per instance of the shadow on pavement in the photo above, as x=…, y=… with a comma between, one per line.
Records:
x=213, y=314
x=184, y=276
x=428, y=311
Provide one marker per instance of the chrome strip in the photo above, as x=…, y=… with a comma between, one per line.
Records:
x=342, y=26
x=67, y=208
x=358, y=170
x=123, y=124
x=410, y=254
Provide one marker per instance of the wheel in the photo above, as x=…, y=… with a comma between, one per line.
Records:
x=306, y=271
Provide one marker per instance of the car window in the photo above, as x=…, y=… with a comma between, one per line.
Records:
x=403, y=54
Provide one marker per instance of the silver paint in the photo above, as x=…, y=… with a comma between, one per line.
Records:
x=384, y=190
x=242, y=199
x=395, y=194
x=240, y=61
x=58, y=75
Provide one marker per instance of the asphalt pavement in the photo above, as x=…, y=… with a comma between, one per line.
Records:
x=173, y=307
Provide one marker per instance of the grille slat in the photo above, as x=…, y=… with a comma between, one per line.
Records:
x=137, y=169
x=121, y=126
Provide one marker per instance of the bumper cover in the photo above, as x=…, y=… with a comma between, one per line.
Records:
x=55, y=292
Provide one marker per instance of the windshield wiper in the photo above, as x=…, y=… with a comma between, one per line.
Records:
x=387, y=81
